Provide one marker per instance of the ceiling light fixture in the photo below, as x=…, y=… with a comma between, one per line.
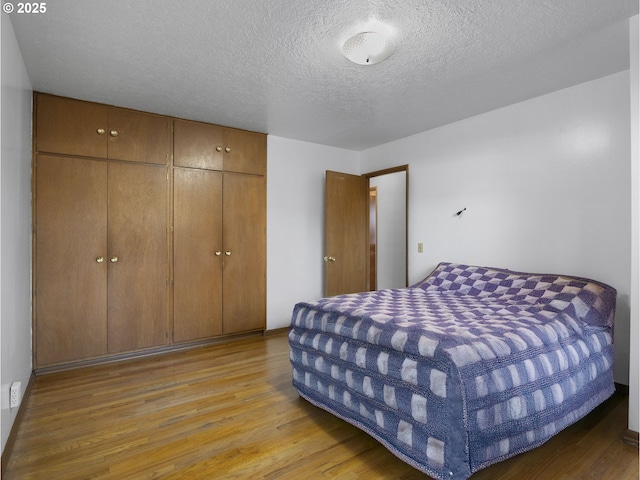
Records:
x=368, y=48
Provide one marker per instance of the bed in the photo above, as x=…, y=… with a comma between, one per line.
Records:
x=464, y=369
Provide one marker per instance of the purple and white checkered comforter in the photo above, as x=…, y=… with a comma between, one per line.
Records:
x=464, y=369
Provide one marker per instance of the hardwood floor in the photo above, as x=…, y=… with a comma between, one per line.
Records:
x=230, y=412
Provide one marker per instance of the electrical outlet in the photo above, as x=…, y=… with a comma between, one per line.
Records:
x=15, y=394
x=420, y=248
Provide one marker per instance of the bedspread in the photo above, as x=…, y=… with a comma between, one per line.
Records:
x=464, y=369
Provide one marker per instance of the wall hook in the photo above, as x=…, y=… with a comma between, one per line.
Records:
x=460, y=212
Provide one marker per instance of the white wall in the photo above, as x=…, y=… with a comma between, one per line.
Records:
x=546, y=187
x=15, y=218
x=634, y=390
x=391, y=241
x=295, y=221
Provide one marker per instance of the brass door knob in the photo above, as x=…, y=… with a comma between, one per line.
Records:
x=218, y=148
x=227, y=253
x=218, y=253
x=227, y=149
x=100, y=259
x=100, y=131
x=113, y=133
x=113, y=259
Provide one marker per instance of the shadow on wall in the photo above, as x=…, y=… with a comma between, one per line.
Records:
x=621, y=334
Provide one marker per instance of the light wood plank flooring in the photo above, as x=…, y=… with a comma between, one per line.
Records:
x=230, y=412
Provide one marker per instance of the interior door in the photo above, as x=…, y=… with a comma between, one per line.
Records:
x=346, y=233
x=137, y=256
x=197, y=257
x=71, y=245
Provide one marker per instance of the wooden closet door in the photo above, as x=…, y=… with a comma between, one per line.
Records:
x=197, y=257
x=244, y=240
x=137, y=257
x=247, y=152
x=71, y=266
x=138, y=137
x=70, y=127
x=197, y=145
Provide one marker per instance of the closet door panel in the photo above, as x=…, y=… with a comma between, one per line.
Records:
x=248, y=152
x=244, y=240
x=197, y=246
x=197, y=145
x=70, y=127
x=137, y=256
x=138, y=137
x=71, y=269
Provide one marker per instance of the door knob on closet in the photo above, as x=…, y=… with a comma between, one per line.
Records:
x=113, y=133
x=218, y=148
x=329, y=259
x=100, y=259
x=227, y=149
x=227, y=253
x=100, y=131
x=218, y=253
x=113, y=259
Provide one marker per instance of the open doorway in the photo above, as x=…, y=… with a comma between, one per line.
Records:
x=388, y=200
x=373, y=238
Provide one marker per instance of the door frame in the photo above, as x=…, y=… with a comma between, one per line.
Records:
x=386, y=171
x=373, y=238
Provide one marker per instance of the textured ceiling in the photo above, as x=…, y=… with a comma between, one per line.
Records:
x=275, y=66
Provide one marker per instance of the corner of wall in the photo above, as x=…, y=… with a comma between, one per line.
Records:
x=634, y=360
x=15, y=234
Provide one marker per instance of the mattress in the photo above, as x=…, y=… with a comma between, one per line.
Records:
x=464, y=369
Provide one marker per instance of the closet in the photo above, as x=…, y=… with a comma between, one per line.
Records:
x=101, y=258
x=219, y=231
x=131, y=253
x=101, y=212
x=211, y=147
x=74, y=127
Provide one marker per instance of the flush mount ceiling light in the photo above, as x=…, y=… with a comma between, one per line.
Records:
x=367, y=48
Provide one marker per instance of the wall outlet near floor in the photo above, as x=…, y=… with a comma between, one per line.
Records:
x=15, y=394
x=420, y=248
